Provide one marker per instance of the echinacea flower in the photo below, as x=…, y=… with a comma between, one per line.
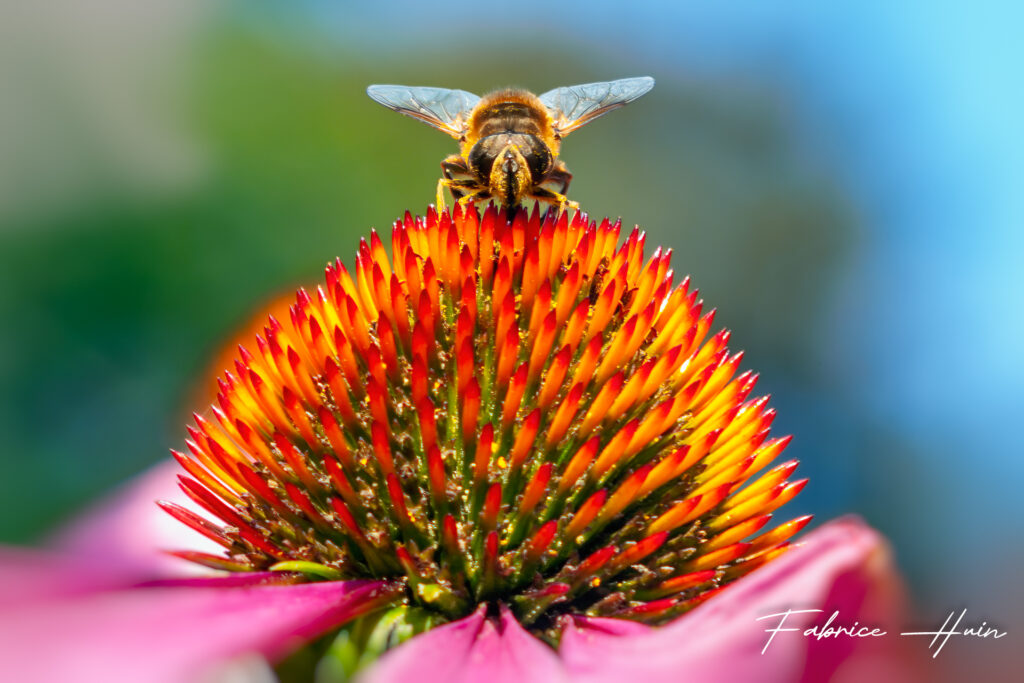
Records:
x=516, y=445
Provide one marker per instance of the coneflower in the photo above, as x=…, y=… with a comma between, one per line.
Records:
x=515, y=431
x=512, y=410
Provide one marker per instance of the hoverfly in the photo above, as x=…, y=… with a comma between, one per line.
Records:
x=508, y=140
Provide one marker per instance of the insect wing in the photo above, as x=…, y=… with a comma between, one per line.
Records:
x=577, y=105
x=446, y=110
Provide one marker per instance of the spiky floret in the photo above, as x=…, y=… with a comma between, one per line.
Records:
x=515, y=409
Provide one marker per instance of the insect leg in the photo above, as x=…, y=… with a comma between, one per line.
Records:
x=441, y=184
x=473, y=196
x=559, y=175
x=456, y=176
x=439, y=202
x=462, y=191
x=558, y=199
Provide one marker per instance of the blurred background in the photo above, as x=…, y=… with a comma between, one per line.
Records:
x=844, y=185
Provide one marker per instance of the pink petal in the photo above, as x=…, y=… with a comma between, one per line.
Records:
x=129, y=533
x=28, y=576
x=165, y=635
x=842, y=566
x=596, y=627
x=473, y=649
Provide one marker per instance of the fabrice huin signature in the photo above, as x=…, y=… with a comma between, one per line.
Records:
x=832, y=628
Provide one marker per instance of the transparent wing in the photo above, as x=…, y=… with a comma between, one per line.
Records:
x=446, y=110
x=577, y=105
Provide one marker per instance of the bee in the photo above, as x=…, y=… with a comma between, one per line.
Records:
x=509, y=140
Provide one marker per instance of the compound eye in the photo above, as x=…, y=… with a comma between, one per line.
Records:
x=539, y=158
x=481, y=158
